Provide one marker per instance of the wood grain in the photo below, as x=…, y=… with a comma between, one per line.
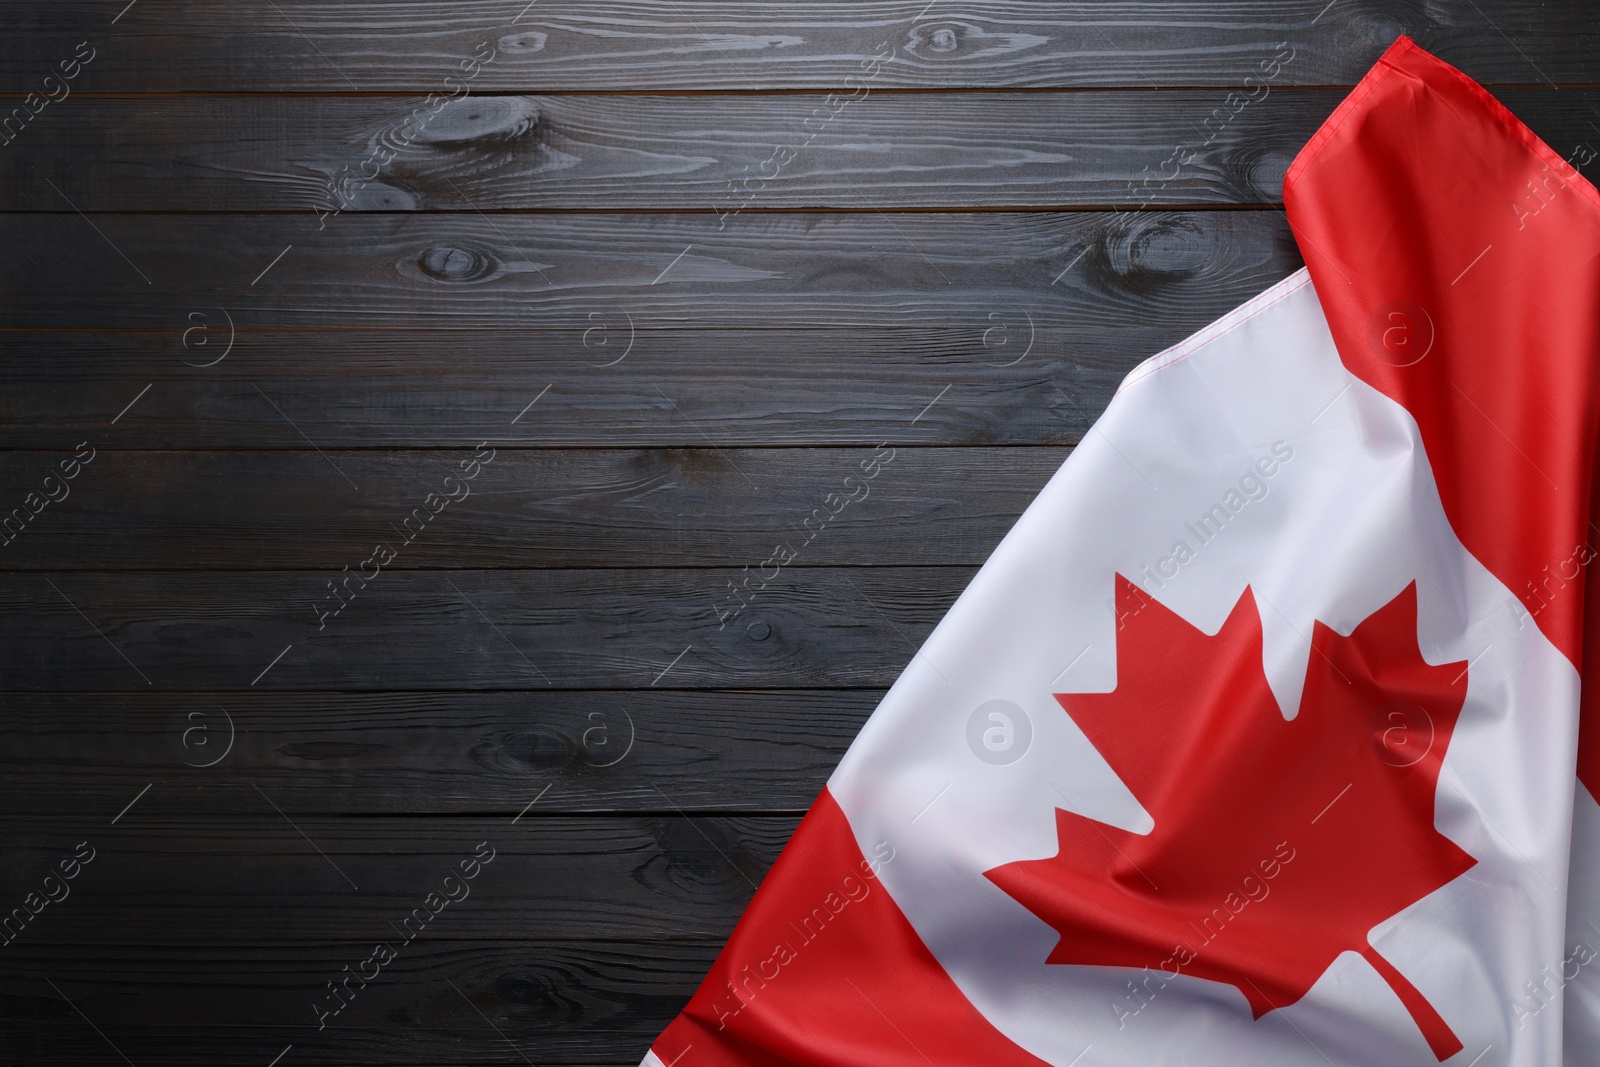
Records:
x=710, y=153
x=590, y=1001
x=1011, y=380
x=718, y=153
x=636, y=629
x=780, y=271
x=370, y=45
x=397, y=753
x=551, y=877
x=524, y=509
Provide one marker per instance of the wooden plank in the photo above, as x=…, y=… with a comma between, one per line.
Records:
x=708, y=153
x=428, y=630
x=1004, y=379
x=779, y=271
x=590, y=1002
x=370, y=45
x=649, y=750
x=337, y=878
x=716, y=153
x=523, y=509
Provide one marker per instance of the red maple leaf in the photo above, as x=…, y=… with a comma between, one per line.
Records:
x=1277, y=844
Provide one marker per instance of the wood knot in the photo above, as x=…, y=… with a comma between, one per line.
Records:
x=951, y=39
x=539, y=750
x=536, y=997
x=1368, y=30
x=378, y=196
x=1149, y=249
x=1255, y=174
x=479, y=122
x=684, y=868
x=942, y=39
x=458, y=265
x=527, y=42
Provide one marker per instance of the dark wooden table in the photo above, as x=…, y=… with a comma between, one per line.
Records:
x=436, y=431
